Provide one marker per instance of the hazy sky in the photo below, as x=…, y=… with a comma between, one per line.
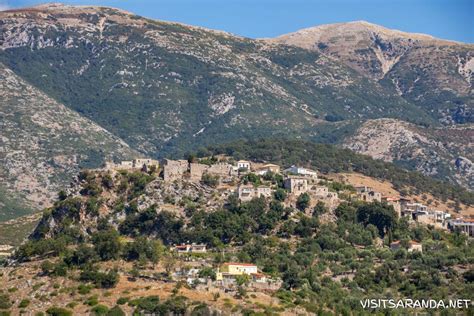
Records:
x=449, y=19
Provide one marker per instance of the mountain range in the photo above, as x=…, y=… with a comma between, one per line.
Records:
x=84, y=84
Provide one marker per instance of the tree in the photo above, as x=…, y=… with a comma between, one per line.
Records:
x=169, y=262
x=207, y=272
x=280, y=194
x=303, y=201
x=107, y=244
x=380, y=215
x=320, y=208
x=243, y=279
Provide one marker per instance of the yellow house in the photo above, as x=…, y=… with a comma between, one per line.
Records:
x=232, y=269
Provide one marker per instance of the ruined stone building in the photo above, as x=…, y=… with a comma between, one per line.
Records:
x=248, y=192
x=296, y=185
x=367, y=194
x=138, y=163
x=174, y=169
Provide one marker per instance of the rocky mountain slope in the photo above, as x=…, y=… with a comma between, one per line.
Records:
x=43, y=145
x=440, y=152
x=432, y=73
x=163, y=86
x=112, y=79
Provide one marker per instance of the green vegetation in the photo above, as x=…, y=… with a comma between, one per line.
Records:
x=323, y=265
x=58, y=311
x=5, y=301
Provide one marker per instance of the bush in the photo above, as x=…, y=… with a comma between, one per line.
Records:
x=122, y=300
x=24, y=303
x=100, y=279
x=100, y=310
x=210, y=180
x=5, y=302
x=116, y=311
x=58, y=311
x=303, y=201
x=280, y=194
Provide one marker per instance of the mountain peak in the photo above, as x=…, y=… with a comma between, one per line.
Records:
x=354, y=30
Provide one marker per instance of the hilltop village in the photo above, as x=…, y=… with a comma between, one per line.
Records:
x=249, y=180
x=236, y=177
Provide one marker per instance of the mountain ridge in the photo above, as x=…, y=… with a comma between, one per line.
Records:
x=165, y=88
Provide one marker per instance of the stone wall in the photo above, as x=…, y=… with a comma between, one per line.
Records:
x=174, y=169
x=196, y=170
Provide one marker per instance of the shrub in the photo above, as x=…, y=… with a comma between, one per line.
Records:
x=116, y=311
x=210, y=180
x=24, y=303
x=5, y=302
x=58, y=311
x=302, y=202
x=122, y=300
x=100, y=310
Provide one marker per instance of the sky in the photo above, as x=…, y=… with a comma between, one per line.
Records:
x=447, y=19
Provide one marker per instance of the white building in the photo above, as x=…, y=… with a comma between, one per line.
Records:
x=465, y=225
x=243, y=164
x=300, y=171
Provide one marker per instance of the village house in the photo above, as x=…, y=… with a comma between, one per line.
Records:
x=248, y=192
x=233, y=269
x=464, y=225
x=296, y=185
x=263, y=170
x=432, y=217
x=412, y=246
x=190, y=248
x=299, y=171
x=243, y=164
x=408, y=208
x=367, y=194
x=174, y=169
